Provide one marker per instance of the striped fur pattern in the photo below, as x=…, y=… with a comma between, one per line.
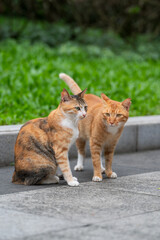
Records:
x=42, y=144
x=102, y=127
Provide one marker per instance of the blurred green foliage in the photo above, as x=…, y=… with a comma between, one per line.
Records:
x=30, y=86
x=32, y=54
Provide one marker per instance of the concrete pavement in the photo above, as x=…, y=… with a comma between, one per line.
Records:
x=124, y=208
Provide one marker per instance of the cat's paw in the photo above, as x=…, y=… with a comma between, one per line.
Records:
x=78, y=168
x=73, y=183
x=96, y=179
x=113, y=175
x=55, y=179
x=50, y=180
x=102, y=169
x=75, y=179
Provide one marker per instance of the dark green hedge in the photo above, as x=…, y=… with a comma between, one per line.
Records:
x=127, y=17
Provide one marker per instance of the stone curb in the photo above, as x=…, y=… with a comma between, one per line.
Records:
x=140, y=134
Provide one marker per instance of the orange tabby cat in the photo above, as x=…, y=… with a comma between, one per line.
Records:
x=43, y=143
x=103, y=126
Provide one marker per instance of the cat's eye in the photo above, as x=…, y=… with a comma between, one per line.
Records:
x=119, y=115
x=86, y=108
x=107, y=114
x=77, y=108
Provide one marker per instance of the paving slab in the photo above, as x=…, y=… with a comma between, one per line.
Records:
x=18, y=225
x=130, y=228
x=93, y=210
x=124, y=208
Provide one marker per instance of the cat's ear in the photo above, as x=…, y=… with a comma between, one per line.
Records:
x=126, y=103
x=104, y=98
x=65, y=97
x=81, y=94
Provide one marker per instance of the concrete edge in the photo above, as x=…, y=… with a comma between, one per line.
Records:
x=140, y=134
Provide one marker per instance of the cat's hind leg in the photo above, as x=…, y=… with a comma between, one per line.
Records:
x=96, y=149
x=81, y=143
x=108, y=163
x=50, y=180
x=35, y=175
x=102, y=168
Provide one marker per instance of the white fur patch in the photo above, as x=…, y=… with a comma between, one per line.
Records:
x=113, y=130
x=73, y=183
x=75, y=179
x=62, y=75
x=102, y=168
x=74, y=127
x=96, y=179
x=51, y=179
x=113, y=175
x=79, y=166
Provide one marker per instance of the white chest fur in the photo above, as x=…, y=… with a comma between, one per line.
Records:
x=112, y=130
x=67, y=123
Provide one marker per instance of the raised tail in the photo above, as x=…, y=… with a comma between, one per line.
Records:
x=71, y=83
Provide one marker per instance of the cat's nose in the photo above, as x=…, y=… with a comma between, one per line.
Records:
x=84, y=114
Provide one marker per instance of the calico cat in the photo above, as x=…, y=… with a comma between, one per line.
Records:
x=43, y=143
x=103, y=127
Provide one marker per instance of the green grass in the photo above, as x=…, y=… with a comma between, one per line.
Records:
x=30, y=86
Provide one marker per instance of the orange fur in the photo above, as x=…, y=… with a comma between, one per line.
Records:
x=102, y=127
x=43, y=143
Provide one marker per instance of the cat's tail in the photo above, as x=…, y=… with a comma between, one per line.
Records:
x=71, y=83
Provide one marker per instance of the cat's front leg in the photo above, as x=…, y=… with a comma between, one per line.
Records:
x=95, y=148
x=63, y=162
x=108, y=153
x=80, y=143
